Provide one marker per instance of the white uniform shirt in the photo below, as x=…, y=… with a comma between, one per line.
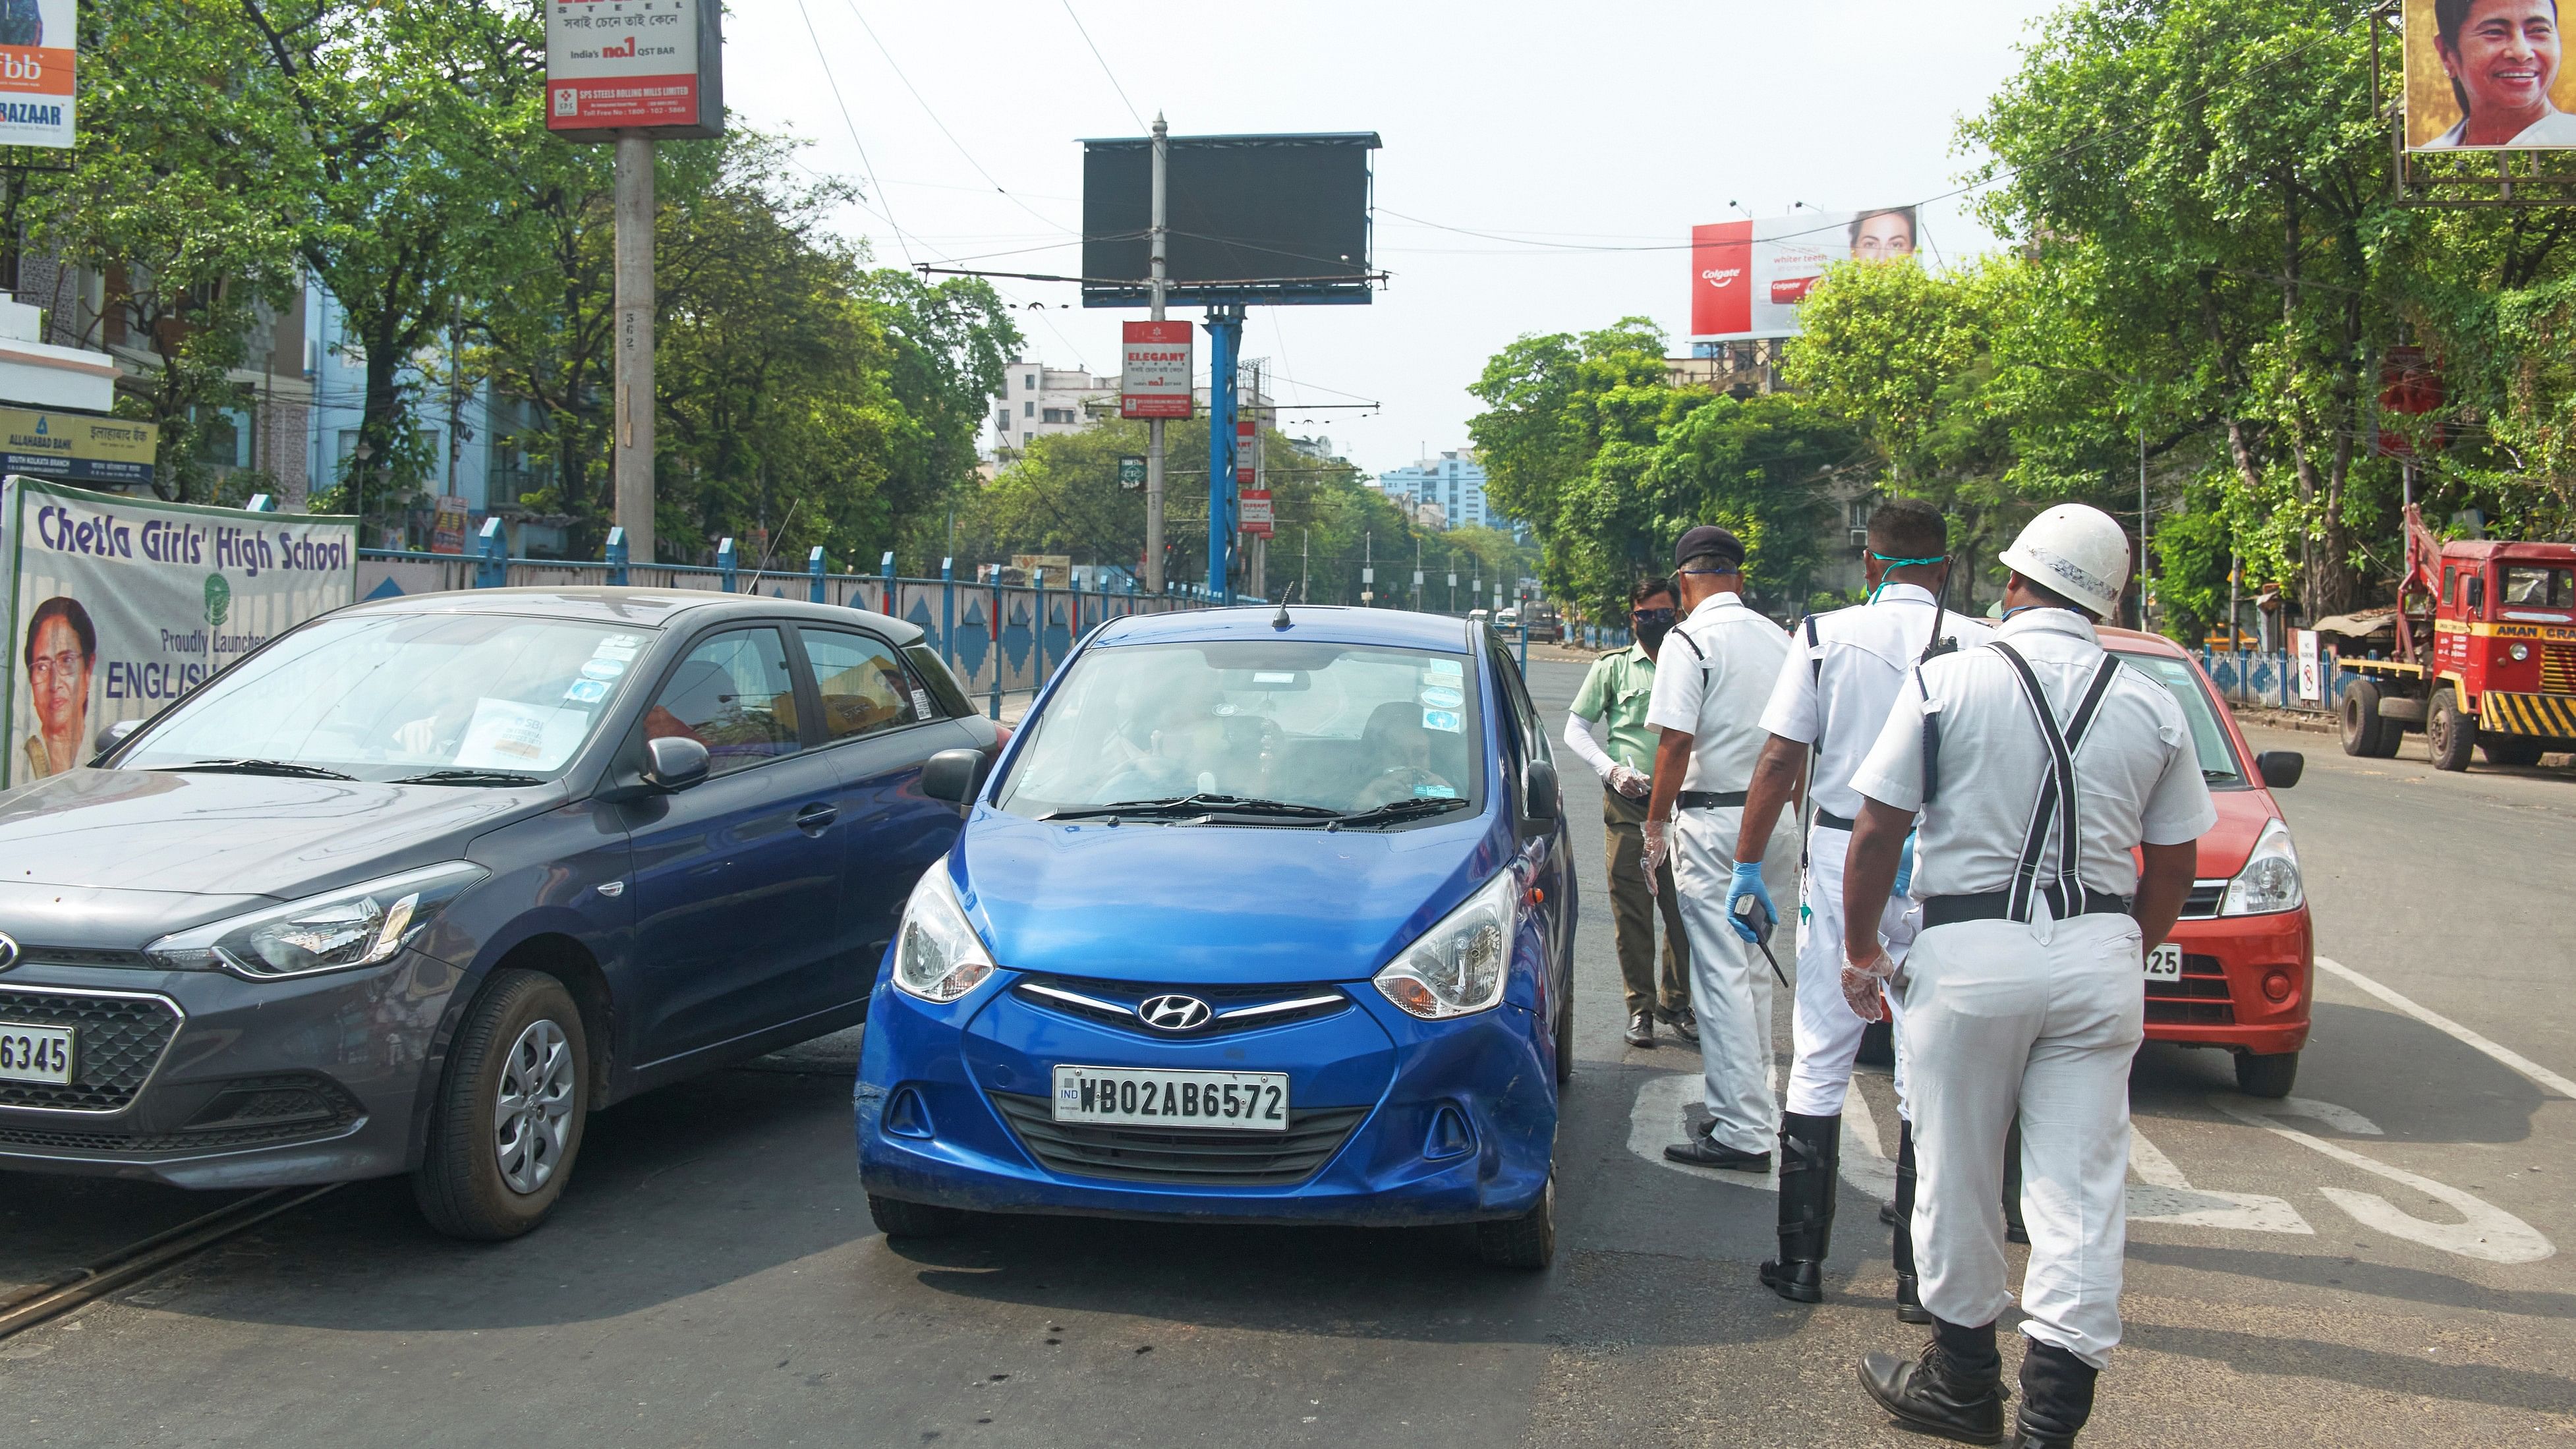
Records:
x=2137, y=773
x=1716, y=694
x=1838, y=694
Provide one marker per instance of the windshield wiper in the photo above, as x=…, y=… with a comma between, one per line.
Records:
x=2212, y=777
x=1186, y=805
x=469, y=777
x=1395, y=810
x=262, y=767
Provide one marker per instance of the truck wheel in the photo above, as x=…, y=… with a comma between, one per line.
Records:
x=2271, y=1076
x=899, y=1219
x=2517, y=750
x=508, y=1118
x=2365, y=733
x=1527, y=1241
x=2448, y=733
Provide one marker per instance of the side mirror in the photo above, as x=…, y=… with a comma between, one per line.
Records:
x=117, y=734
x=674, y=763
x=953, y=775
x=1539, y=800
x=2280, y=769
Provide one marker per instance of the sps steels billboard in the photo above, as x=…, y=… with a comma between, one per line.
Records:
x=1265, y=219
x=650, y=68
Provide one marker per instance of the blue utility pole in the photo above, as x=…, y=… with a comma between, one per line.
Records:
x=1225, y=345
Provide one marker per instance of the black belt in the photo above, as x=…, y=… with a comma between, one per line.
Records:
x=1827, y=817
x=1997, y=906
x=1710, y=799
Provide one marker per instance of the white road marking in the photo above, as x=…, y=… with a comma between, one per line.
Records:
x=2486, y=1232
x=1660, y=1118
x=2520, y=1063
x=2163, y=1195
x=1866, y=1165
x=2341, y=1119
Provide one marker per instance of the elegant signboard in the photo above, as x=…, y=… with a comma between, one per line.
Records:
x=650, y=68
x=1154, y=375
x=1254, y=514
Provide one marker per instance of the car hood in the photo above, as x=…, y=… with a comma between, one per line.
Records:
x=1214, y=905
x=171, y=833
x=2242, y=815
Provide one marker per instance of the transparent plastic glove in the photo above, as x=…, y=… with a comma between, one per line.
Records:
x=1861, y=986
x=1630, y=783
x=1656, y=850
x=1905, y=866
x=1747, y=881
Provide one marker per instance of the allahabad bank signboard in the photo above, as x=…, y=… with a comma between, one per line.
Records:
x=2487, y=75
x=118, y=607
x=78, y=447
x=650, y=68
x=37, y=50
x=1748, y=277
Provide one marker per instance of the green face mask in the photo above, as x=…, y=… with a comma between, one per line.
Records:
x=1898, y=563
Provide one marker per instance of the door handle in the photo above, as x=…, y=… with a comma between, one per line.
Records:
x=815, y=819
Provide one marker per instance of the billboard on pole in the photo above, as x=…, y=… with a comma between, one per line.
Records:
x=1269, y=219
x=1255, y=515
x=651, y=68
x=37, y=51
x=1154, y=370
x=2487, y=75
x=1748, y=277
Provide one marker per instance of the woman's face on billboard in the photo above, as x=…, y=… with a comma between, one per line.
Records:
x=1887, y=234
x=59, y=675
x=2507, y=55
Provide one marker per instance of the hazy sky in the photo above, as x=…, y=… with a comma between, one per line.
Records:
x=1583, y=125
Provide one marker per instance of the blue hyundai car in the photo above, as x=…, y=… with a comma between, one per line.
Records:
x=1265, y=916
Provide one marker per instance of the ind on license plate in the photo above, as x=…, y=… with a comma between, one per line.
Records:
x=35, y=1053
x=1143, y=1096
x=2165, y=963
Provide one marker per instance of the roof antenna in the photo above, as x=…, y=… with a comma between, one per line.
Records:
x=1281, y=619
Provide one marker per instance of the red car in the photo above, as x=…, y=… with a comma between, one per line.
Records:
x=2239, y=970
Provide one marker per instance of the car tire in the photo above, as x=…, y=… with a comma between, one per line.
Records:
x=1526, y=1242
x=899, y=1219
x=2266, y=1076
x=2519, y=751
x=2367, y=734
x=484, y=1178
x=1877, y=1044
x=2448, y=733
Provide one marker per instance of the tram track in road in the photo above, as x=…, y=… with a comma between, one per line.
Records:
x=42, y=1302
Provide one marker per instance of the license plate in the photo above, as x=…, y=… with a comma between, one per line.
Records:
x=35, y=1053
x=2165, y=963
x=1147, y=1097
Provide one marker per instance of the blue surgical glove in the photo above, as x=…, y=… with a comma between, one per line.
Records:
x=1905, y=865
x=1748, y=882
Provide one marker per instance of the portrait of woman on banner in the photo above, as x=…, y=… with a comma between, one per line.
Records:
x=60, y=655
x=2501, y=58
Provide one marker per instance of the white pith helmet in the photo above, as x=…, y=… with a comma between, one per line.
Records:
x=2076, y=551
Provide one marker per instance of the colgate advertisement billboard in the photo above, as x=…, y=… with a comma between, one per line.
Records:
x=1748, y=277
x=651, y=68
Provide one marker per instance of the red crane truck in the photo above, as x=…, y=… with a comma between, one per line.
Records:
x=2485, y=654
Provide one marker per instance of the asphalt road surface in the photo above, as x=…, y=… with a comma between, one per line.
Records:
x=2374, y=1261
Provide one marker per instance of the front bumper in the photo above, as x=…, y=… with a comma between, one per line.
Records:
x=203, y=1080
x=2221, y=1001
x=1407, y=1087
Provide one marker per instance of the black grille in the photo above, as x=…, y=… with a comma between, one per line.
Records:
x=2203, y=902
x=85, y=956
x=1192, y=1155
x=117, y=1042
x=249, y=1112
x=1121, y=998
x=2200, y=998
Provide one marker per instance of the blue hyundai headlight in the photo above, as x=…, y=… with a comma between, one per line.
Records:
x=1458, y=967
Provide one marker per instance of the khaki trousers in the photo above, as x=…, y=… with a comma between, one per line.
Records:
x=1633, y=911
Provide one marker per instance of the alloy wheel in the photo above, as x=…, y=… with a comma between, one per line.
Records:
x=534, y=1111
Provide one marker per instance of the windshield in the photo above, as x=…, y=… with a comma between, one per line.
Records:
x=2536, y=587
x=393, y=696
x=1340, y=728
x=2218, y=762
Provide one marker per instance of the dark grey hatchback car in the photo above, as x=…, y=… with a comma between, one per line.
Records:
x=421, y=883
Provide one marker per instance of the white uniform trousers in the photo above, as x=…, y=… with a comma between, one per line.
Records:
x=1730, y=982
x=1826, y=1031
x=2043, y=1020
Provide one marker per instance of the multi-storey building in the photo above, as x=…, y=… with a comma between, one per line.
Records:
x=1454, y=480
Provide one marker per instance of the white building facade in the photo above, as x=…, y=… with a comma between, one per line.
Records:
x=1454, y=480
x=1040, y=401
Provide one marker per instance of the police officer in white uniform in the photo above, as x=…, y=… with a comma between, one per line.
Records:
x=1712, y=678
x=2038, y=762
x=1832, y=699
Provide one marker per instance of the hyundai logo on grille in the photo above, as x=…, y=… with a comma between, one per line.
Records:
x=1173, y=1013
x=8, y=953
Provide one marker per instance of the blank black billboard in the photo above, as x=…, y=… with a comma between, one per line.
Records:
x=1249, y=219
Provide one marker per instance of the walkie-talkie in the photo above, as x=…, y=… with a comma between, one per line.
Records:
x=1749, y=906
x=1937, y=646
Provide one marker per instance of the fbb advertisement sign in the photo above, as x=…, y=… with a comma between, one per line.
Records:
x=1154, y=370
x=1748, y=277
x=36, y=54
x=118, y=606
x=650, y=68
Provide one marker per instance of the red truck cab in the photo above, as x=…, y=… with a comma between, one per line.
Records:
x=2485, y=654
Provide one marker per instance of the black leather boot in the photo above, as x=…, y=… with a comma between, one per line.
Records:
x=1909, y=1304
x=1955, y=1389
x=2056, y=1397
x=2014, y=1232
x=1810, y=1160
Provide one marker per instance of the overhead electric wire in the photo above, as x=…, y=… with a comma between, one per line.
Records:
x=926, y=110
x=1085, y=33
x=824, y=58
